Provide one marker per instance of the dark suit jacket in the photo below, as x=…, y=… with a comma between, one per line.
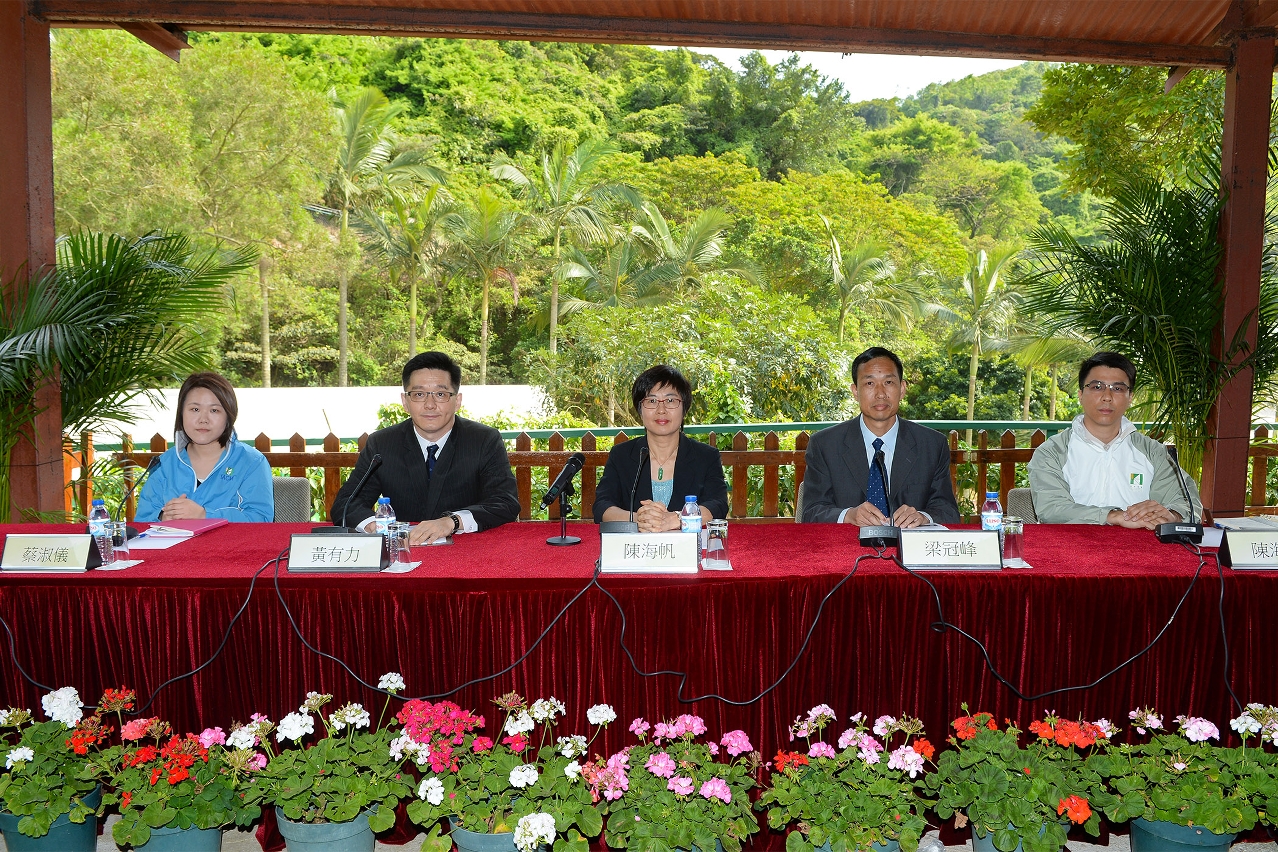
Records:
x=472, y=472
x=698, y=470
x=838, y=472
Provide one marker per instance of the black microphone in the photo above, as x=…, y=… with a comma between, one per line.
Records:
x=151, y=465
x=881, y=535
x=1187, y=531
x=576, y=462
x=630, y=526
x=373, y=465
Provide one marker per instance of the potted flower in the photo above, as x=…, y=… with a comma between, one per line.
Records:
x=866, y=795
x=675, y=789
x=339, y=789
x=523, y=791
x=176, y=793
x=49, y=792
x=1018, y=797
x=1182, y=792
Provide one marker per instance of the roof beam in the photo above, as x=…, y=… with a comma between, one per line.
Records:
x=291, y=16
x=166, y=38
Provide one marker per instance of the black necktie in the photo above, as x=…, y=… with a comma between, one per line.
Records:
x=430, y=459
x=876, y=492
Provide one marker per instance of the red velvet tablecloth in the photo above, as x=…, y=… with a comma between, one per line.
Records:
x=1095, y=597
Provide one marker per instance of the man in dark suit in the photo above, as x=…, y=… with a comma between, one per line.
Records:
x=843, y=485
x=444, y=473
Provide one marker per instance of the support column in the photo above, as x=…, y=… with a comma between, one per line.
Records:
x=27, y=234
x=1244, y=170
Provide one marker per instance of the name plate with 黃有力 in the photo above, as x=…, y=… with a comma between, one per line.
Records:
x=1249, y=550
x=335, y=554
x=43, y=553
x=951, y=550
x=649, y=553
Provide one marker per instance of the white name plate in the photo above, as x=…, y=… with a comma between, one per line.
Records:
x=335, y=554
x=649, y=553
x=1249, y=550
x=53, y=554
x=951, y=550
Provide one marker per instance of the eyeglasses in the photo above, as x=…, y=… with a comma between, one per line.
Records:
x=652, y=402
x=1117, y=388
x=439, y=396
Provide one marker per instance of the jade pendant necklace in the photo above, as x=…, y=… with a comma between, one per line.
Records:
x=661, y=466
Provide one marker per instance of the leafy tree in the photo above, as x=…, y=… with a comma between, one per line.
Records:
x=866, y=275
x=685, y=259
x=937, y=389
x=621, y=279
x=985, y=197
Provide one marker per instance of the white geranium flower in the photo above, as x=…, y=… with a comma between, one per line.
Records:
x=544, y=710
x=18, y=755
x=405, y=745
x=572, y=746
x=63, y=705
x=242, y=737
x=523, y=776
x=432, y=790
x=352, y=714
x=573, y=770
x=391, y=682
x=1245, y=724
x=519, y=724
x=294, y=726
x=601, y=714
x=534, y=830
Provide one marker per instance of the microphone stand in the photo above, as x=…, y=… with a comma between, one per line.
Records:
x=563, y=539
x=1187, y=531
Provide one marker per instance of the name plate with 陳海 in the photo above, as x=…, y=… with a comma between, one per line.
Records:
x=649, y=553
x=43, y=553
x=951, y=550
x=1249, y=550
x=335, y=554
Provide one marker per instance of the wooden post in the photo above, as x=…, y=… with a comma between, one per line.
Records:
x=556, y=446
x=771, y=478
x=1006, y=470
x=332, y=475
x=1244, y=170
x=589, y=477
x=740, y=479
x=1260, y=470
x=70, y=462
x=523, y=478
x=297, y=444
x=27, y=238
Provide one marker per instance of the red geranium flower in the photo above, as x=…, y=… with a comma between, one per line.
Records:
x=1076, y=808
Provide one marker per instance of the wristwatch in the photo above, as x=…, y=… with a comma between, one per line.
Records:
x=457, y=522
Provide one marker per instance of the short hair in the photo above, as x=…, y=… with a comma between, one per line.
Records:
x=877, y=352
x=216, y=384
x=1115, y=360
x=657, y=376
x=433, y=361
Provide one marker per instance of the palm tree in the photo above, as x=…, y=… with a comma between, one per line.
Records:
x=688, y=258
x=865, y=276
x=488, y=237
x=410, y=239
x=620, y=280
x=566, y=196
x=1035, y=348
x=117, y=318
x=979, y=308
x=366, y=157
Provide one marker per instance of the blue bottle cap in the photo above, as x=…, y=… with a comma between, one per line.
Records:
x=990, y=494
x=98, y=501
x=691, y=498
x=383, y=499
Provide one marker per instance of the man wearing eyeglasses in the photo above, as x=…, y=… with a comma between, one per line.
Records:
x=1101, y=470
x=443, y=473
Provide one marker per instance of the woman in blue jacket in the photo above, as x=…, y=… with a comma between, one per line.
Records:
x=207, y=473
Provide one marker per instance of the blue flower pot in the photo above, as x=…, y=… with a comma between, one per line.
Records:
x=64, y=835
x=986, y=843
x=183, y=840
x=475, y=841
x=353, y=836
x=885, y=846
x=1159, y=836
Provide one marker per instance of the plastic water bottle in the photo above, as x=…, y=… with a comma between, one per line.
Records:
x=100, y=529
x=931, y=844
x=385, y=516
x=991, y=512
x=690, y=516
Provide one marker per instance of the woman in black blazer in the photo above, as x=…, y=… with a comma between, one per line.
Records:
x=676, y=465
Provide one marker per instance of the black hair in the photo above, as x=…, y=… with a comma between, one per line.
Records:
x=877, y=352
x=433, y=361
x=657, y=376
x=1115, y=360
x=220, y=388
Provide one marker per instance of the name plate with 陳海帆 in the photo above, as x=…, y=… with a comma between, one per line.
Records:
x=951, y=550
x=42, y=553
x=649, y=553
x=1252, y=550
x=335, y=554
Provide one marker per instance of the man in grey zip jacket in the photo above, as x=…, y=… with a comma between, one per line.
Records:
x=1101, y=470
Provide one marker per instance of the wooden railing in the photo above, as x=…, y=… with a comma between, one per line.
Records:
x=776, y=463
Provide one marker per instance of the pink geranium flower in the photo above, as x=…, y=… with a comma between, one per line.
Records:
x=639, y=727
x=135, y=730
x=212, y=736
x=736, y=742
x=716, y=788
x=661, y=765
x=257, y=762
x=680, y=785
x=481, y=744
x=820, y=749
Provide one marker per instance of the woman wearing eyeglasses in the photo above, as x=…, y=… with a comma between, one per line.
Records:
x=652, y=475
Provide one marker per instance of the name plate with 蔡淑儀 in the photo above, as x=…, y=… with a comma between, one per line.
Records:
x=1249, y=550
x=46, y=554
x=649, y=553
x=336, y=554
x=951, y=550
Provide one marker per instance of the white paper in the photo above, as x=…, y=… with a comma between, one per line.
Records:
x=119, y=566
x=1256, y=523
x=1212, y=536
x=146, y=542
x=400, y=567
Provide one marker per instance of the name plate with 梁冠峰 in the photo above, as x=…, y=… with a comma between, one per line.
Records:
x=1249, y=550
x=951, y=550
x=43, y=553
x=649, y=553
x=335, y=554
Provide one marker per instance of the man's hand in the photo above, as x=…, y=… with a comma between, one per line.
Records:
x=1151, y=513
x=182, y=509
x=431, y=531
x=866, y=515
x=655, y=517
x=907, y=517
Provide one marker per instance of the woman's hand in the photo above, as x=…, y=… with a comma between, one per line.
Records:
x=655, y=517
x=182, y=509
